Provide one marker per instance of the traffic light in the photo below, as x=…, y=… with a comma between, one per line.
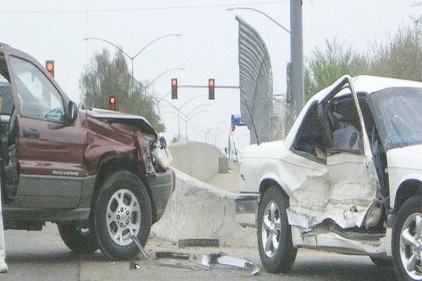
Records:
x=49, y=65
x=211, y=86
x=112, y=102
x=173, y=88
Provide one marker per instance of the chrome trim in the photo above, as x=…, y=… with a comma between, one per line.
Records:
x=246, y=209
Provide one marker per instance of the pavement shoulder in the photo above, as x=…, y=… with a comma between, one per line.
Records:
x=227, y=181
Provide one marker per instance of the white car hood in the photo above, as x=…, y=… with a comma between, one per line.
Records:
x=263, y=150
x=409, y=157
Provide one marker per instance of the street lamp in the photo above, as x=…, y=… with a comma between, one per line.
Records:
x=192, y=114
x=208, y=131
x=158, y=100
x=161, y=74
x=178, y=109
x=189, y=116
x=262, y=13
x=132, y=58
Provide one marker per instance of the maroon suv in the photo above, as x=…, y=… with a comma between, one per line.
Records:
x=102, y=176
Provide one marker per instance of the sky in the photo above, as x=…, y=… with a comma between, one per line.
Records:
x=207, y=47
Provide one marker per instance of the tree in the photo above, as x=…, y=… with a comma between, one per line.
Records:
x=106, y=77
x=417, y=19
x=402, y=57
x=399, y=58
x=326, y=66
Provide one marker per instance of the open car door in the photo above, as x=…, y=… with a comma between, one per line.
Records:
x=354, y=184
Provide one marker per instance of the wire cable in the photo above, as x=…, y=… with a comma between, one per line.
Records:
x=113, y=10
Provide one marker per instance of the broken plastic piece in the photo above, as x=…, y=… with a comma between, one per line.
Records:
x=222, y=259
x=172, y=255
x=183, y=266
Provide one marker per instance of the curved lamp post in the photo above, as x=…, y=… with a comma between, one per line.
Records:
x=161, y=74
x=158, y=100
x=178, y=109
x=189, y=116
x=262, y=13
x=132, y=58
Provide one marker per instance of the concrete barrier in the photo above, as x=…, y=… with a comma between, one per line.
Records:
x=198, y=210
x=197, y=159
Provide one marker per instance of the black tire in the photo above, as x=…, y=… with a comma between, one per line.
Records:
x=79, y=239
x=407, y=240
x=115, y=221
x=272, y=209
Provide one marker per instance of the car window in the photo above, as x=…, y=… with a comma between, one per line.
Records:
x=333, y=129
x=38, y=97
x=344, y=125
x=310, y=140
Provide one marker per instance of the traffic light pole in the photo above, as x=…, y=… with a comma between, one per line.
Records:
x=211, y=87
x=200, y=86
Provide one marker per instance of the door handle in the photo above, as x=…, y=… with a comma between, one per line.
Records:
x=31, y=133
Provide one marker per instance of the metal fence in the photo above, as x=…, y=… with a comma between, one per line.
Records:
x=256, y=83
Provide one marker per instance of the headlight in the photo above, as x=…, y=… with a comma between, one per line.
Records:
x=162, y=156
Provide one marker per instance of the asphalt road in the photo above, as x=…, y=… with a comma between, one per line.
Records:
x=43, y=256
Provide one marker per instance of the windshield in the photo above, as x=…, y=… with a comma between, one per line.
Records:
x=398, y=111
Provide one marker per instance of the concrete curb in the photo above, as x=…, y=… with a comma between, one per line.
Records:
x=199, y=210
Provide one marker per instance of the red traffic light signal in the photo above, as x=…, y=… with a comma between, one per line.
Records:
x=211, y=87
x=49, y=65
x=173, y=88
x=112, y=102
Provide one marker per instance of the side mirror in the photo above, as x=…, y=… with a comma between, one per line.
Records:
x=72, y=112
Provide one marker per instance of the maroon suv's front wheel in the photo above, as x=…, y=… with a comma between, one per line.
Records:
x=123, y=209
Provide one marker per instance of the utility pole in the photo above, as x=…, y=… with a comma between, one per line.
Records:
x=296, y=57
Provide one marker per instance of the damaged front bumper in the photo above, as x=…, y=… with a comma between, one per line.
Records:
x=162, y=186
x=246, y=207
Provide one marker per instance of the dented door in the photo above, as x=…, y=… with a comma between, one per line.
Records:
x=353, y=179
x=351, y=184
x=353, y=189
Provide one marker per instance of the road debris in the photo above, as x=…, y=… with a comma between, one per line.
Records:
x=222, y=259
x=133, y=265
x=148, y=257
x=199, y=243
x=172, y=255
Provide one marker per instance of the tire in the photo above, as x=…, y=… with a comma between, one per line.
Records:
x=123, y=209
x=78, y=239
x=274, y=233
x=407, y=240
